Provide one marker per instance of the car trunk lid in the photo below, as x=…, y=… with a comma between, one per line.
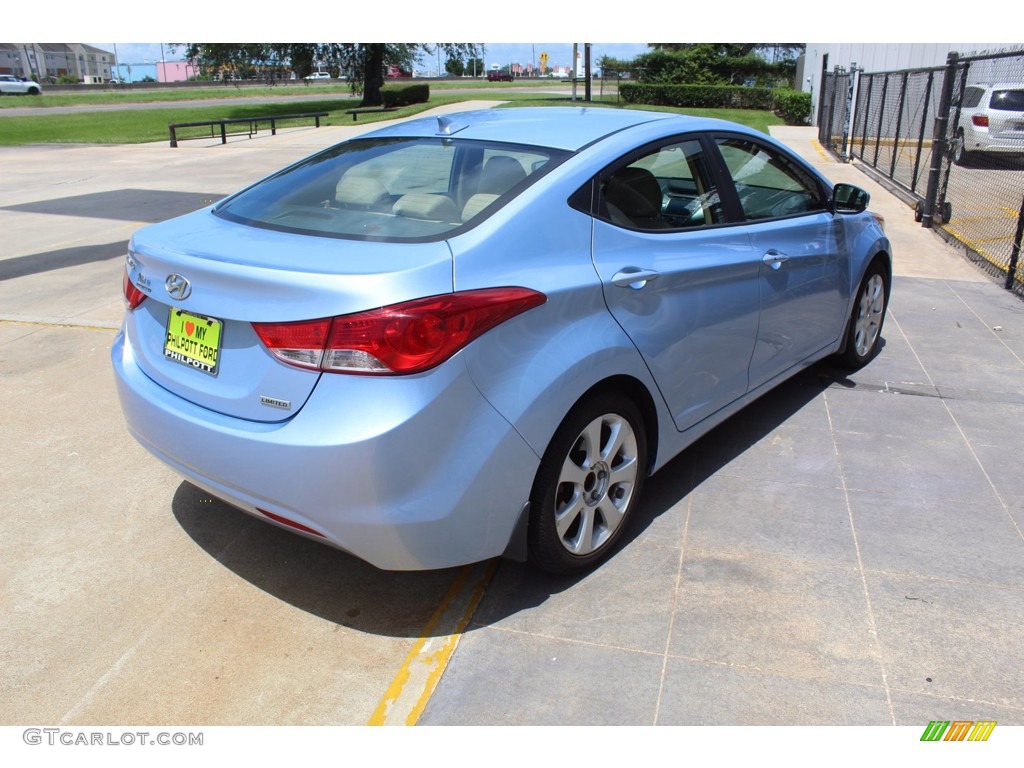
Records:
x=207, y=281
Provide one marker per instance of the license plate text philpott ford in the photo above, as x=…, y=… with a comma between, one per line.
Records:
x=193, y=340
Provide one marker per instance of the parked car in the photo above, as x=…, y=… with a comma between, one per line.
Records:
x=991, y=120
x=318, y=76
x=457, y=338
x=497, y=76
x=9, y=84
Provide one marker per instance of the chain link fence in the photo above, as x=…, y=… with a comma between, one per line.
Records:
x=950, y=138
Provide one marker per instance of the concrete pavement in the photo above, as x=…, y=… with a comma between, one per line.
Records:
x=848, y=550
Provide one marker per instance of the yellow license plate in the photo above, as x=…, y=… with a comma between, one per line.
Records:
x=193, y=340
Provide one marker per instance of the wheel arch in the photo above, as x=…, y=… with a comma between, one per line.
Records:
x=635, y=390
x=638, y=394
x=883, y=259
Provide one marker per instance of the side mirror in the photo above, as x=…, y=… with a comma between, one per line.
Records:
x=846, y=198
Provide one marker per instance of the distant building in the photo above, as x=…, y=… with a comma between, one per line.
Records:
x=175, y=71
x=49, y=61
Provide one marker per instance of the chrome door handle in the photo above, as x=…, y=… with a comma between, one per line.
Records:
x=775, y=259
x=634, y=278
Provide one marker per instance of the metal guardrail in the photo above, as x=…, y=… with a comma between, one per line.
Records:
x=252, y=122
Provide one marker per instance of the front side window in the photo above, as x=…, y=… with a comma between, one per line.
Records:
x=666, y=188
x=769, y=186
x=391, y=189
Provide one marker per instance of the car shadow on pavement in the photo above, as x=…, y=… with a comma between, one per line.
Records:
x=342, y=589
x=308, y=575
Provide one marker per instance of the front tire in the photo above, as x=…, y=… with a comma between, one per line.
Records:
x=865, y=327
x=588, y=484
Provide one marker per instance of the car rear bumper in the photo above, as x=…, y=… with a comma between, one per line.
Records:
x=407, y=473
x=983, y=141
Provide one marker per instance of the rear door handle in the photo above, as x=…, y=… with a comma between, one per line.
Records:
x=634, y=278
x=775, y=259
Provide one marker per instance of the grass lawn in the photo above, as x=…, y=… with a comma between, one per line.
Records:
x=131, y=95
x=133, y=126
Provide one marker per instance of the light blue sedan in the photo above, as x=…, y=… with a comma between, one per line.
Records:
x=470, y=336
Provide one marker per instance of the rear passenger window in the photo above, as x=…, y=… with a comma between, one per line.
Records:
x=972, y=97
x=667, y=188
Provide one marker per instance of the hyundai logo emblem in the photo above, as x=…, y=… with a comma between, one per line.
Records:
x=177, y=286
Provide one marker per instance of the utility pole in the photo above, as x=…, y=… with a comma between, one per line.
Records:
x=586, y=71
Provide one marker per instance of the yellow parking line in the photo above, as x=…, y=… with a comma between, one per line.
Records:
x=973, y=245
x=409, y=692
x=821, y=150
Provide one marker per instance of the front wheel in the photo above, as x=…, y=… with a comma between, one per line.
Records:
x=588, y=483
x=865, y=328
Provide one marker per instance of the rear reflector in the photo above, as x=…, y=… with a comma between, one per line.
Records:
x=403, y=338
x=289, y=523
x=980, y=120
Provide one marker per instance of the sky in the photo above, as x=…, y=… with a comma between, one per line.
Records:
x=511, y=28
x=625, y=29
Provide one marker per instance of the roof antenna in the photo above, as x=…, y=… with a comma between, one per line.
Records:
x=446, y=125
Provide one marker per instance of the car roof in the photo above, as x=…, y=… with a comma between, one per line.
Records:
x=568, y=128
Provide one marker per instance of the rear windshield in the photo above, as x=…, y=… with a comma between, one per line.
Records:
x=1011, y=101
x=392, y=189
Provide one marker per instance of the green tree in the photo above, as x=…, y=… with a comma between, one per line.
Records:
x=455, y=66
x=717, y=63
x=365, y=64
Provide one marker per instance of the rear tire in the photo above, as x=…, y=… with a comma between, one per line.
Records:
x=961, y=156
x=865, y=326
x=588, y=484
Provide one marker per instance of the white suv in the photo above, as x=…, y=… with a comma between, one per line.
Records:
x=12, y=84
x=991, y=120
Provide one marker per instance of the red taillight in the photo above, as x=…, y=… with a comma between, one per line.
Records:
x=300, y=344
x=980, y=120
x=404, y=338
x=132, y=295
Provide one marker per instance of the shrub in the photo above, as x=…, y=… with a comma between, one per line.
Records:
x=792, y=106
x=404, y=95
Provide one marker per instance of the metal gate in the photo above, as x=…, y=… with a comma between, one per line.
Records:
x=951, y=138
